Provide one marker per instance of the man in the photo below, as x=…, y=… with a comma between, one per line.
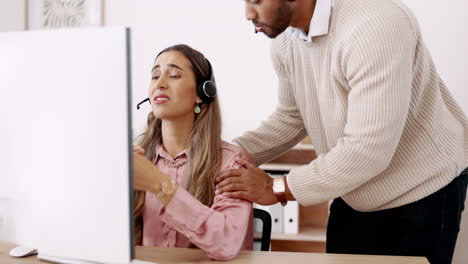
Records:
x=391, y=141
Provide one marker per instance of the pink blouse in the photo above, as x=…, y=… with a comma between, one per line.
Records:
x=221, y=231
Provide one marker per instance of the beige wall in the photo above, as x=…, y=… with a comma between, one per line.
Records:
x=12, y=15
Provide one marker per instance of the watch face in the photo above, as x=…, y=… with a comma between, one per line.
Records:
x=278, y=186
x=168, y=187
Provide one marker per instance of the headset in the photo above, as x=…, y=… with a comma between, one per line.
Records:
x=206, y=89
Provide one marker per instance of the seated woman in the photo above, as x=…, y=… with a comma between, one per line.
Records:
x=176, y=205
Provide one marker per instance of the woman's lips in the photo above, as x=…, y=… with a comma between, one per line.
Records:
x=161, y=99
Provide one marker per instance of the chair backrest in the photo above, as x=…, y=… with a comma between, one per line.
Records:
x=265, y=217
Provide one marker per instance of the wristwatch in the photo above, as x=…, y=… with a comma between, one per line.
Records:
x=167, y=188
x=279, y=189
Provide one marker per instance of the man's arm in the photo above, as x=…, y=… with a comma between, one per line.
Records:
x=285, y=127
x=377, y=62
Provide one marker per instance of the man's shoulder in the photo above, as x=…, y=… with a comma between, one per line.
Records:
x=359, y=7
x=354, y=20
x=348, y=14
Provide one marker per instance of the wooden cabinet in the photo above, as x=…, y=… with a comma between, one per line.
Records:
x=312, y=219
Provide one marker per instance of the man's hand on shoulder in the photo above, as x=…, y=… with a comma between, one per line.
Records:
x=249, y=183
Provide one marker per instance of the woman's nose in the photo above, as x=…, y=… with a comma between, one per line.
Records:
x=162, y=82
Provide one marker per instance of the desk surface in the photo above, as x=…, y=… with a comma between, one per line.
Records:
x=185, y=255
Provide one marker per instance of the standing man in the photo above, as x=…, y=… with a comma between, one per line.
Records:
x=392, y=143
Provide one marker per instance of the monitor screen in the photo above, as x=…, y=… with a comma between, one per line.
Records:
x=66, y=141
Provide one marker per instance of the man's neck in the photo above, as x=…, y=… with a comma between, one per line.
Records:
x=303, y=13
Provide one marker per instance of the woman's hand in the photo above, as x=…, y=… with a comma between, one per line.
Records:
x=146, y=176
x=138, y=149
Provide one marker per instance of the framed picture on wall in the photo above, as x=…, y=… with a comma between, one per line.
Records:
x=50, y=14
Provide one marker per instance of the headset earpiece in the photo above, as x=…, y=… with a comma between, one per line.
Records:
x=206, y=90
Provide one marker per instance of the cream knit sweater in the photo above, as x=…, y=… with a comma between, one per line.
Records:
x=386, y=130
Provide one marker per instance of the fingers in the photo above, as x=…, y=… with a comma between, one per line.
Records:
x=246, y=164
x=228, y=181
x=233, y=187
x=241, y=162
x=229, y=173
x=138, y=149
x=237, y=195
x=240, y=195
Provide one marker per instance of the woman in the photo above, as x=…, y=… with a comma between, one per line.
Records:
x=176, y=205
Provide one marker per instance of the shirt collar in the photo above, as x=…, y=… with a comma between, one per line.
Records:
x=161, y=153
x=319, y=24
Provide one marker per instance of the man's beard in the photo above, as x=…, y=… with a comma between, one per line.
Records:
x=283, y=18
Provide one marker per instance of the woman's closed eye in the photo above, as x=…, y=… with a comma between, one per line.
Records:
x=173, y=76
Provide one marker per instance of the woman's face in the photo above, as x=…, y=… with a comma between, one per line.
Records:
x=172, y=89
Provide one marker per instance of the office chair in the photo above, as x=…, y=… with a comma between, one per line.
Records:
x=265, y=217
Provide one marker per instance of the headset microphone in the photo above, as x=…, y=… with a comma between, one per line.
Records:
x=142, y=102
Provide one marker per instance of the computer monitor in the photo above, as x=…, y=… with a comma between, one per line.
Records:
x=66, y=141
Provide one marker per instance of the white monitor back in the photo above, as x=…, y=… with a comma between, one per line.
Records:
x=65, y=142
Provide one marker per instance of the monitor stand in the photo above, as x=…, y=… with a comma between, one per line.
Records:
x=79, y=261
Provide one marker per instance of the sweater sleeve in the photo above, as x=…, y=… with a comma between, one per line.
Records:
x=284, y=128
x=377, y=63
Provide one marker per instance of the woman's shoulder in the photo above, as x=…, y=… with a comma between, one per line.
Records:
x=230, y=152
x=229, y=149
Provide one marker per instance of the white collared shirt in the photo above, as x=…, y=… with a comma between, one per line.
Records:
x=319, y=23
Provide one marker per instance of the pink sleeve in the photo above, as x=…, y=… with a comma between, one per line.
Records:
x=220, y=230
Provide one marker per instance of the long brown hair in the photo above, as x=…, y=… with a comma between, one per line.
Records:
x=204, y=144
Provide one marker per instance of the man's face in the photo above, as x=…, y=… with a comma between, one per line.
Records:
x=271, y=17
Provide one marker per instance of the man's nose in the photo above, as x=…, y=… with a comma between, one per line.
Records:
x=250, y=13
